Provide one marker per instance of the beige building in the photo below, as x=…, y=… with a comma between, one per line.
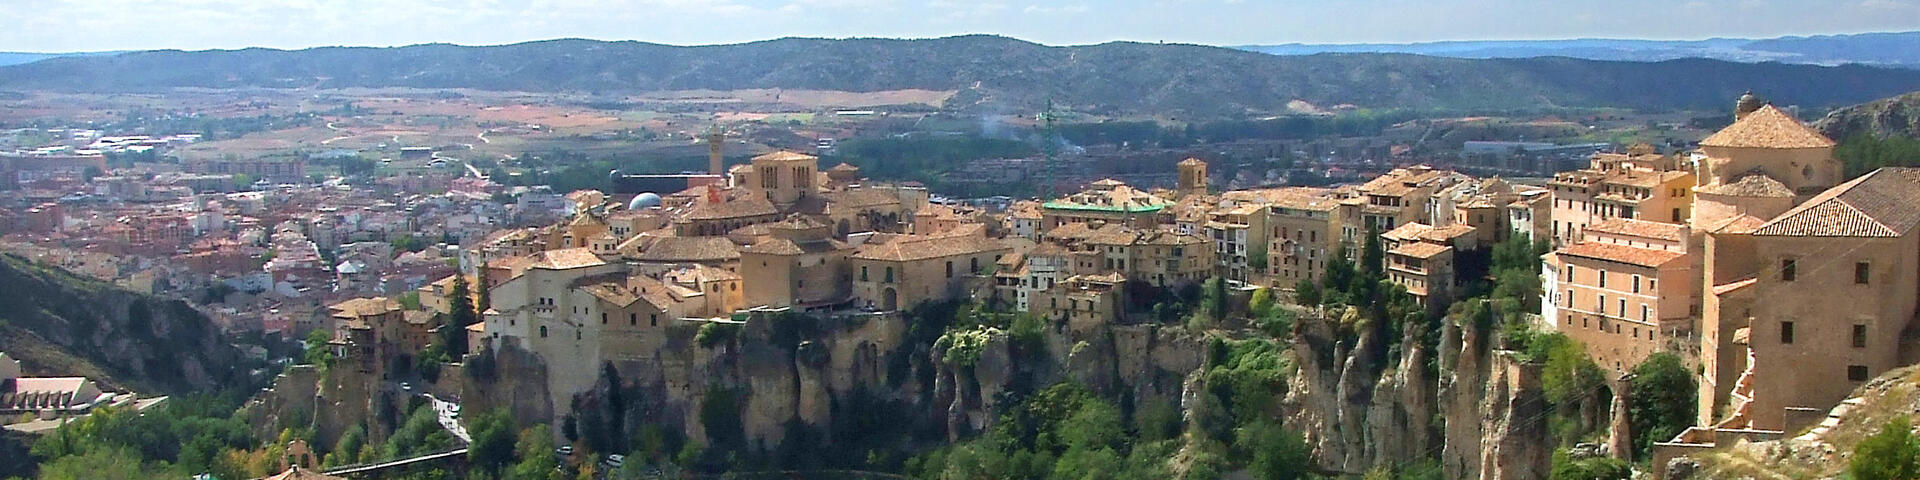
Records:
x=1624, y=291
x=1829, y=306
x=1082, y=302
x=1639, y=184
x=801, y=265
x=1106, y=201
x=907, y=270
x=1158, y=257
x=45, y=395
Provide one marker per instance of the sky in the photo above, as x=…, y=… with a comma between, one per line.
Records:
x=97, y=25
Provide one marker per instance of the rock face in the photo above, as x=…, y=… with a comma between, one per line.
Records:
x=1481, y=412
x=1894, y=116
x=61, y=324
x=1362, y=401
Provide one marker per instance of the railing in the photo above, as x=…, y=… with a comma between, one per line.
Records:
x=378, y=466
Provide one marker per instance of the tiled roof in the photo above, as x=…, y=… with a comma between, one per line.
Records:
x=1411, y=231
x=1420, y=250
x=1768, y=127
x=687, y=249
x=1740, y=224
x=781, y=246
x=1754, y=185
x=921, y=247
x=743, y=207
x=365, y=307
x=564, y=259
x=1883, y=203
x=1641, y=228
x=1645, y=257
x=785, y=156
x=858, y=198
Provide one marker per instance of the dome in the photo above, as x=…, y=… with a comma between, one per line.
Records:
x=644, y=201
x=1747, y=104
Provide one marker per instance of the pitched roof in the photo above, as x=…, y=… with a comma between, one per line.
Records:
x=784, y=156
x=1768, y=127
x=923, y=247
x=565, y=259
x=1883, y=203
x=365, y=307
x=745, y=206
x=1611, y=252
x=1641, y=228
x=1420, y=250
x=1754, y=185
x=686, y=249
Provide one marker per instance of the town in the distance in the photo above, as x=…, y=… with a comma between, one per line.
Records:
x=431, y=283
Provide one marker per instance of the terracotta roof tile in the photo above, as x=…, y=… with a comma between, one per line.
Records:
x=1645, y=257
x=1420, y=250
x=1755, y=185
x=1641, y=228
x=1883, y=203
x=565, y=259
x=1768, y=127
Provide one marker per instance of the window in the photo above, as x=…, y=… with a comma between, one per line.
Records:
x=1645, y=312
x=949, y=269
x=1569, y=273
x=1570, y=298
x=633, y=319
x=653, y=319
x=543, y=331
x=1603, y=279
x=863, y=273
x=973, y=264
x=1676, y=214
x=1787, y=270
x=1861, y=272
x=1859, y=336
x=889, y=275
x=1786, y=332
x=603, y=318
x=1623, y=307
x=1857, y=373
x=1600, y=306
x=1636, y=284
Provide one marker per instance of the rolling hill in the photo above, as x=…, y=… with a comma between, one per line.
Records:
x=1895, y=116
x=1897, y=49
x=993, y=74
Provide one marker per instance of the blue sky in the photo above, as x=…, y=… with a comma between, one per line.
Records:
x=87, y=25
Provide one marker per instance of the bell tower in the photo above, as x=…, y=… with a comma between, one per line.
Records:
x=1193, y=177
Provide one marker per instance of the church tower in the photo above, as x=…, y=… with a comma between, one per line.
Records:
x=1193, y=178
x=785, y=177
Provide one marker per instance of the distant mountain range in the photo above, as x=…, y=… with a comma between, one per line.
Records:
x=994, y=74
x=1897, y=49
x=16, y=58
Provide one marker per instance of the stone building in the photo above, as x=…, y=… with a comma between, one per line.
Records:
x=1640, y=184
x=907, y=270
x=1082, y=302
x=1835, y=292
x=800, y=265
x=1624, y=290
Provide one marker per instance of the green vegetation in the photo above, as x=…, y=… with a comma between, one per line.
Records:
x=1892, y=454
x=1595, y=468
x=1063, y=432
x=715, y=334
x=185, y=436
x=1864, y=153
x=1662, y=398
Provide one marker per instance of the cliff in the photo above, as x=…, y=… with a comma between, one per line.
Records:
x=1893, y=116
x=58, y=323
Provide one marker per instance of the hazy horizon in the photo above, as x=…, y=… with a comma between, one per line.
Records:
x=114, y=25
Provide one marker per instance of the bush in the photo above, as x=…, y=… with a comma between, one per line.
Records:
x=1662, y=401
x=714, y=334
x=1892, y=454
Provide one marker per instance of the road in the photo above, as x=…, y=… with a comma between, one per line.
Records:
x=447, y=413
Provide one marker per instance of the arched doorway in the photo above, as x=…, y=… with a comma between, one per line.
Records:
x=889, y=300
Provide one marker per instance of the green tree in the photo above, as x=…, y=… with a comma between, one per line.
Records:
x=1373, y=259
x=460, y=315
x=1662, y=401
x=1306, y=293
x=1273, y=453
x=535, y=453
x=492, y=448
x=101, y=463
x=1261, y=305
x=1216, y=298
x=317, y=352
x=1892, y=454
